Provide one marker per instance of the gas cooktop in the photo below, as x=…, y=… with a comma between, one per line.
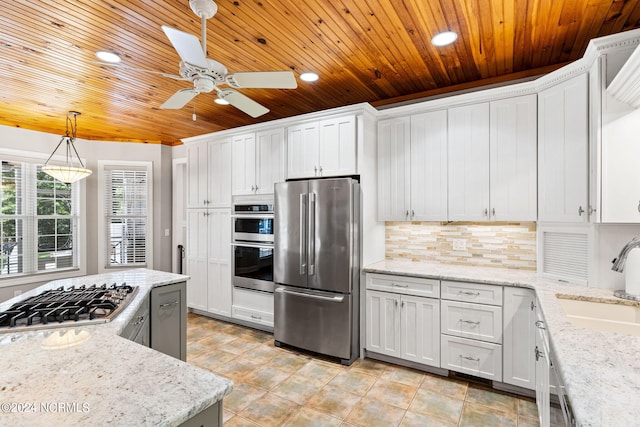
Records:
x=73, y=306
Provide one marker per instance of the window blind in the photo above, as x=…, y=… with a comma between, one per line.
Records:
x=126, y=200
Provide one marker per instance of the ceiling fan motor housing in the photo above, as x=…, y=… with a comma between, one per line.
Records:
x=203, y=8
x=203, y=84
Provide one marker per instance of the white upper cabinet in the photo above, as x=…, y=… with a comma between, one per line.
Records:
x=322, y=148
x=468, y=160
x=429, y=166
x=563, y=140
x=394, y=160
x=209, y=174
x=513, y=139
x=258, y=162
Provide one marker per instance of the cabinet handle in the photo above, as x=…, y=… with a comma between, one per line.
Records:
x=406, y=214
x=475, y=294
x=412, y=213
x=320, y=170
x=486, y=212
x=256, y=190
x=580, y=211
x=470, y=322
x=493, y=211
x=169, y=304
x=470, y=358
x=592, y=210
x=402, y=304
x=638, y=205
x=315, y=171
x=540, y=324
x=533, y=306
x=256, y=317
x=539, y=354
x=396, y=303
x=399, y=286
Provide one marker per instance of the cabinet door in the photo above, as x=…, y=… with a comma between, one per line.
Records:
x=243, y=160
x=420, y=326
x=543, y=395
x=197, y=242
x=302, y=150
x=429, y=166
x=270, y=164
x=563, y=151
x=337, y=147
x=219, y=165
x=197, y=175
x=394, y=170
x=513, y=157
x=519, y=339
x=169, y=320
x=383, y=323
x=219, y=262
x=468, y=162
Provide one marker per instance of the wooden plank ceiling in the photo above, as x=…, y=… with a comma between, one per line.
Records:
x=376, y=51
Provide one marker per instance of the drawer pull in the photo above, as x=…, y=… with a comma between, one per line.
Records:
x=256, y=317
x=540, y=324
x=539, y=354
x=470, y=322
x=475, y=294
x=399, y=286
x=470, y=358
x=169, y=304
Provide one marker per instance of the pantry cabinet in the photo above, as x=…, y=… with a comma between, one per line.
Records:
x=258, y=162
x=322, y=148
x=209, y=174
x=563, y=142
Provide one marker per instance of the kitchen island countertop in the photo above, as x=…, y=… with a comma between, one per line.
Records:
x=600, y=369
x=103, y=379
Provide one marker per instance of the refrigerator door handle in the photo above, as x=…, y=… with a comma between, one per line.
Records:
x=337, y=298
x=303, y=234
x=312, y=234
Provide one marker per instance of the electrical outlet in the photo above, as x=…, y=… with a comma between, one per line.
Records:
x=459, y=244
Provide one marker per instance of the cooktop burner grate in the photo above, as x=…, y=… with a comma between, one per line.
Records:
x=55, y=307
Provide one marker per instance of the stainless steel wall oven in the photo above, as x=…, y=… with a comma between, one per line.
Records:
x=253, y=245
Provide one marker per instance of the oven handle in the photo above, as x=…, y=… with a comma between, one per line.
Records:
x=253, y=245
x=253, y=216
x=305, y=295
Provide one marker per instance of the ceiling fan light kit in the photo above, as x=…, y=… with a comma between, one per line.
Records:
x=71, y=171
x=207, y=74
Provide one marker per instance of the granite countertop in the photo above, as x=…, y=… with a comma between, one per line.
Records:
x=600, y=369
x=104, y=379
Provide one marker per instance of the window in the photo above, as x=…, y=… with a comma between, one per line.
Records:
x=38, y=221
x=127, y=216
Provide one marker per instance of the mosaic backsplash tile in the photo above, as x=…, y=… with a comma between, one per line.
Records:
x=498, y=244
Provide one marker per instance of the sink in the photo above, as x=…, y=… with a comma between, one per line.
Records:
x=621, y=318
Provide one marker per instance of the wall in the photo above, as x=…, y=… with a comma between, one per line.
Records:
x=43, y=144
x=504, y=245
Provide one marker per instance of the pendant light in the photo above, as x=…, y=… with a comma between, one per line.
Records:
x=72, y=170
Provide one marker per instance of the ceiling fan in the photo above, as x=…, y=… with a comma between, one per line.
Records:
x=207, y=74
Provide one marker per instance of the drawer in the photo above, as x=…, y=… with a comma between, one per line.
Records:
x=478, y=358
x=404, y=285
x=254, y=316
x=472, y=292
x=468, y=320
x=253, y=300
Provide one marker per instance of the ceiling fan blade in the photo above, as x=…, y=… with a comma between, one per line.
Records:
x=242, y=102
x=179, y=99
x=142, y=70
x=263, y=80
x=187, y=45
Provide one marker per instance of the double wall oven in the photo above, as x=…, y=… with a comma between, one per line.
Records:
x=253, y=245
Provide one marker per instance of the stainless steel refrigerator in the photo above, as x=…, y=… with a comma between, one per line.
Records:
x=316, y=266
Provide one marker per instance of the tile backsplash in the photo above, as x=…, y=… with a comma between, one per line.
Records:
x=498, y=244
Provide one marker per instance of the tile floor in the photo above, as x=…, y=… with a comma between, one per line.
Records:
x=279, y=386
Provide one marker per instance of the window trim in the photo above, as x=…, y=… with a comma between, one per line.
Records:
x=81, y=227
x=103, y=264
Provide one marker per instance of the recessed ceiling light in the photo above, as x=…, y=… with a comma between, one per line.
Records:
x=221, y=101
x=444, y=38
x=309, y=77
x=108, y=57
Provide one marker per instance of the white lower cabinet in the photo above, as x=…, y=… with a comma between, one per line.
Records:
x=252, y=306
x=475, y=321
x=402, y=325
x=519, y=340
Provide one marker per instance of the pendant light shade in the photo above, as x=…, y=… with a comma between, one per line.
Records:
x=73, y=170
